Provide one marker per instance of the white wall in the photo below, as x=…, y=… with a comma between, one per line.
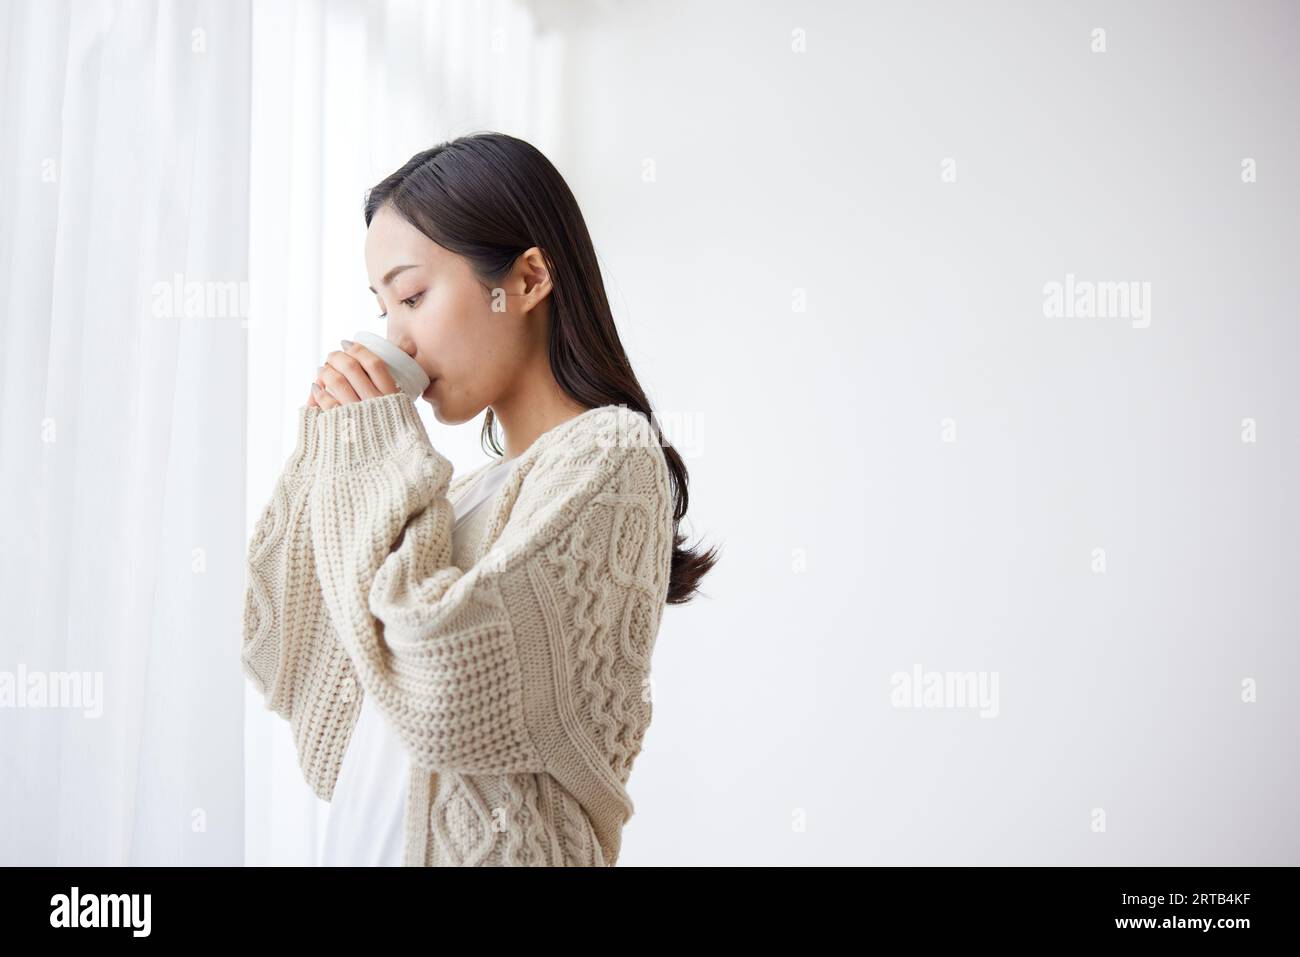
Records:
x=822, y=430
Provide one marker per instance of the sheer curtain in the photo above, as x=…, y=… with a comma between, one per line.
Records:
x=180, y=245
x=345, y=93
x=123, y=242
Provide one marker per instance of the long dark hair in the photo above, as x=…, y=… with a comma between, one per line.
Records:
x=489, y=197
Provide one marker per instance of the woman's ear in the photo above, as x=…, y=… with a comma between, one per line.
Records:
x=534, y=274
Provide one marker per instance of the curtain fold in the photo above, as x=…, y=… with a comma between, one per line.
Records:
x=125, y=186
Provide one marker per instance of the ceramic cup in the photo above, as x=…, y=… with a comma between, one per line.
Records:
x=408, y=375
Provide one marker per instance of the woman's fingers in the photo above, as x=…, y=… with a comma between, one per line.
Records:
x=341, y=385
x=351, y=376
x=375, y=367
x=358, y=370
x=324, y=400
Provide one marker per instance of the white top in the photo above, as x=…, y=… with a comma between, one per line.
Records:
x=366, y=819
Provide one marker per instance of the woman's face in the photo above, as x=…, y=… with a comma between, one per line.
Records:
x=441, y=315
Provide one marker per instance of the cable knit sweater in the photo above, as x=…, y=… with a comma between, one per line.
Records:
x=519, y=685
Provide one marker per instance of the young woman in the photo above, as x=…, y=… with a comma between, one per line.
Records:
x=465, y=662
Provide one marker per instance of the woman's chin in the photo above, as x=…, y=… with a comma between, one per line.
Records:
x=432, y=395
x=429, y=395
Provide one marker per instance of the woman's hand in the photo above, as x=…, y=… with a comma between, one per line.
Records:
x=351, y=375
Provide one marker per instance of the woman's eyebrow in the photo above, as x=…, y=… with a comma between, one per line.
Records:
x=391, y=273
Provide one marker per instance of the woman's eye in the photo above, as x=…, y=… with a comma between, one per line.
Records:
x=409, y=303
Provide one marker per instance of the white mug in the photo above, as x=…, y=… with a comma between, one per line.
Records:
x=408, y=375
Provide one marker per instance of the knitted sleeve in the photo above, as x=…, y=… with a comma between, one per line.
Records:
x=278, y=566
x=290, y=650
x=537, y=657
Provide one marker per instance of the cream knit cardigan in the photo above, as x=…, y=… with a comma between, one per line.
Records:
x=520, y=686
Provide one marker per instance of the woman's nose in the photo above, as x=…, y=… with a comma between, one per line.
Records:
x=403, y=341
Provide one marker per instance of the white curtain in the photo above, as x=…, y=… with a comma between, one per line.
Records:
x=181, y=187
x=123, y=178
x=343, y=94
